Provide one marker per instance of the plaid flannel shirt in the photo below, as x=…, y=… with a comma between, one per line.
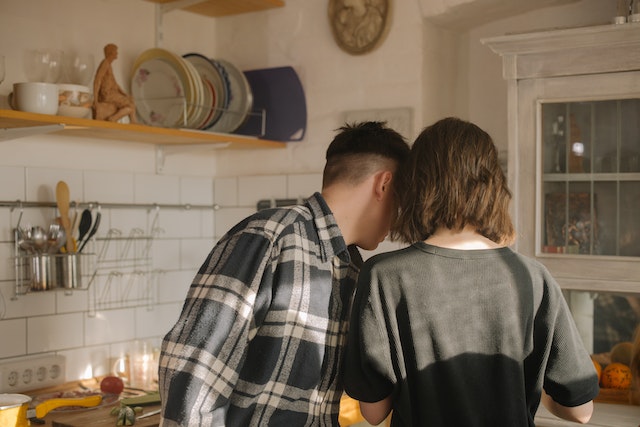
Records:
x=261, y=336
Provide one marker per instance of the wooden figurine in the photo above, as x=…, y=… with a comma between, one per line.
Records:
x=110, y=102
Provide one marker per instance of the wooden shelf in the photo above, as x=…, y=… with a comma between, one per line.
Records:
x=226, y=7
x=87, y=128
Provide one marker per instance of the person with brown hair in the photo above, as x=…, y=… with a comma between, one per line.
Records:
x=261, y=337
x=458, y=329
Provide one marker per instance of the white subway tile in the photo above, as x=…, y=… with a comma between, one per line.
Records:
x=161, y=189
x=124, y=220
x=193, y=252
x=208, y=223
x=251, y=189
x=108, y=187
x=173, y=285
x=226, y=191
x=42, y=182
x=72, y=301
x=109, y=325
x=12, y=183
x=303, y=185
x=7, y=223
x=180, y=223
x=227, y=218
x=51, y=333
x=86, y=362
x=14, y=337
x=7, y=269
x=196, y=191
x=32, y=304
x=158, y=321
x=166, y=254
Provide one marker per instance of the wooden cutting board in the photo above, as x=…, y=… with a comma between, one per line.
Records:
x=99, y=417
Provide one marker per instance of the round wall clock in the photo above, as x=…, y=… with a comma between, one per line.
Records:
x=359, y=26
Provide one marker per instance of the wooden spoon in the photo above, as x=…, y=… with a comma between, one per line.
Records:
x=62, y=200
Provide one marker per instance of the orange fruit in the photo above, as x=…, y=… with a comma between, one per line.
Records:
x=616, y=375
x=598, y=367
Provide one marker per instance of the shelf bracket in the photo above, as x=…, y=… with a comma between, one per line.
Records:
x=162, y=151
x=162, y=8
x=13, y=133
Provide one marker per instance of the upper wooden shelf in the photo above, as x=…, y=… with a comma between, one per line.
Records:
x=11, y=120
x=225, y=7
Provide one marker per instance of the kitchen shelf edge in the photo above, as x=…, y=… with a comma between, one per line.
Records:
x=10, y=119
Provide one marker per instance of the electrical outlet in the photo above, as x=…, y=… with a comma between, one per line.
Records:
x=31, y=374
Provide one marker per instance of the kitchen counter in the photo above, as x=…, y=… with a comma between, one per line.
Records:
x=99, y=416
x=96, y=417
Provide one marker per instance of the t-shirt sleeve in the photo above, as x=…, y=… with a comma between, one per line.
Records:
x=368, y=375
x=570, y=377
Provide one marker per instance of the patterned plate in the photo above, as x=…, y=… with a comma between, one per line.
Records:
x=240, y=100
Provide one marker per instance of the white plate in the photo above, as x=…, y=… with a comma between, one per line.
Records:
x=173, y=88
x=224, y=89
x=240, y=100
x=194, y=107
x=159, y=93
x=214, y=99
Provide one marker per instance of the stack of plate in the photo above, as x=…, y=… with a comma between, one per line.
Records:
x=192, y=92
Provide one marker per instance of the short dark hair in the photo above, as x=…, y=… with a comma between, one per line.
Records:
x=359, y=148
x=452, y=179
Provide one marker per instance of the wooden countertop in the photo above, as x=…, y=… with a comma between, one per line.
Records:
x=99, y=416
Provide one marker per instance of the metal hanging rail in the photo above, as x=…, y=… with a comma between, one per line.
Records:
x=186, y=206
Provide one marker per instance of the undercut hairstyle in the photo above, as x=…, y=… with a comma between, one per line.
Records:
x=453, y=179
x=361, y=149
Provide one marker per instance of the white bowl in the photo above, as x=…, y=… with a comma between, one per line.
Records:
x=74, y=100
x=72, y=111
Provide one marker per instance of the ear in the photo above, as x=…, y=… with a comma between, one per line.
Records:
x=382, y=184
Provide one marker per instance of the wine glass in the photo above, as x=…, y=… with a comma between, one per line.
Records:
x=78, y=68
x=43, y=65
x=55, y=65
x=36, y=64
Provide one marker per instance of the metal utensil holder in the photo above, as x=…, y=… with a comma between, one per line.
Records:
x=37, y=272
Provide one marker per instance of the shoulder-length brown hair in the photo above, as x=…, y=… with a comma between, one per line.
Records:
x=453, y=179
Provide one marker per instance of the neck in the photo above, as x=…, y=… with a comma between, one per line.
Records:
x=465, y=239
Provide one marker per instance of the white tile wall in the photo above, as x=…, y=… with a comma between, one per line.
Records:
x=68, y=323
x=119, y=190
x=56, y=332
x=253, y=188
x=14, y=337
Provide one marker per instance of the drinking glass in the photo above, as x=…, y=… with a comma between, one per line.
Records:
x=78, y=68
x=43, y=65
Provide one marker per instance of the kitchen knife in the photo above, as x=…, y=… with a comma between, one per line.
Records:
x=149, y=414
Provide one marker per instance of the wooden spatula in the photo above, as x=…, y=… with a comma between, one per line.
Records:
x=62, y=200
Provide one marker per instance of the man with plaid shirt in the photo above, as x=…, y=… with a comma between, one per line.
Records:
x=261, y=336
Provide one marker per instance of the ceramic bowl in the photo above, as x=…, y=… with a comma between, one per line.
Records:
x=74, y=100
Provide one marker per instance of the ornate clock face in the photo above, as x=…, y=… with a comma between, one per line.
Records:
x=359, y=25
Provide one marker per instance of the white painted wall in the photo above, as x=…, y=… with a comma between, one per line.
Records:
x=434, y=71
